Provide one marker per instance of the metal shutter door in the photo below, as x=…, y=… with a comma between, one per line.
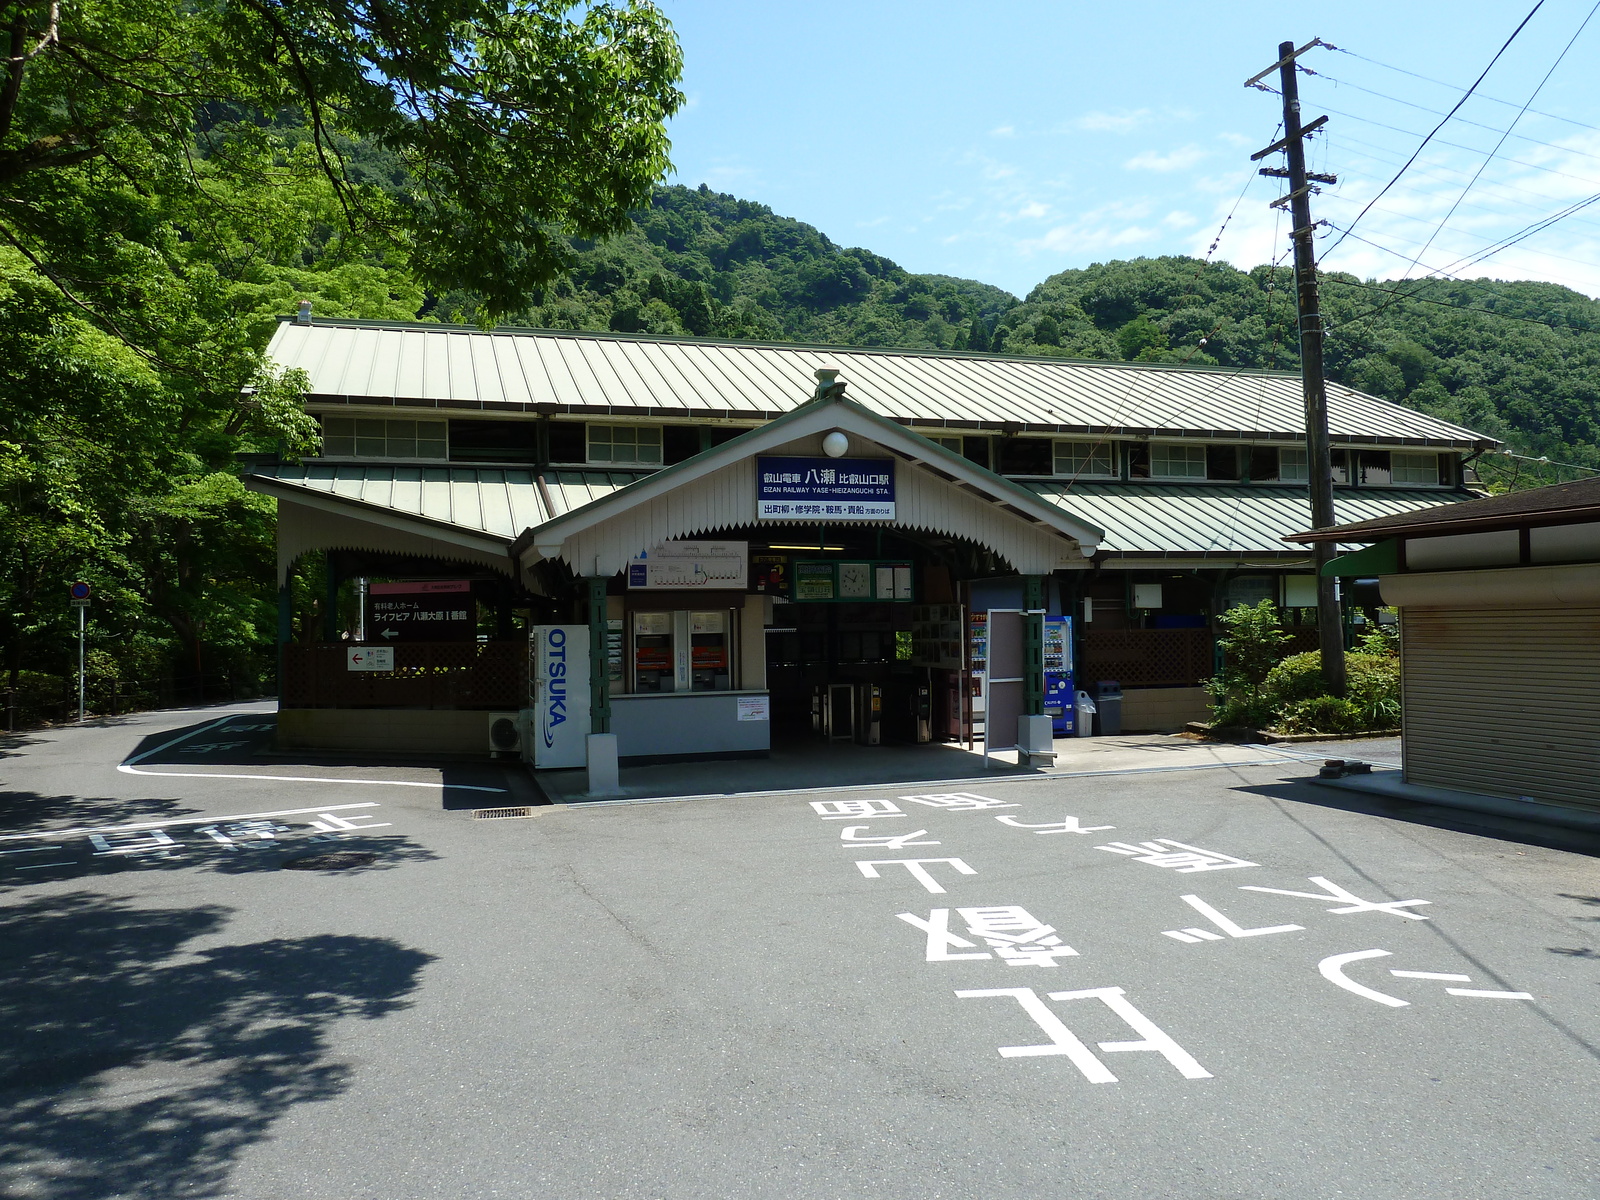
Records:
x=1503, y=701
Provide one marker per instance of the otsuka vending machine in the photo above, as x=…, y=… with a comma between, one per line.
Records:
x=1058, y=674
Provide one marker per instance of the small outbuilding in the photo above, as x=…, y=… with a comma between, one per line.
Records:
x=1499, y=602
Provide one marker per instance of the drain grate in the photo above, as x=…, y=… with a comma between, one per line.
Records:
x=490, y=814
x=339, y=860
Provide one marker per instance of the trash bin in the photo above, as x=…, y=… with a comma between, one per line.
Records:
x=1108, y=708
x=1084, y=725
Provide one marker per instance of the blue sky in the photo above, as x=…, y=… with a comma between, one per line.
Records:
x=1008, y=142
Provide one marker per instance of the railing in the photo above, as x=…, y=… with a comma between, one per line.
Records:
x=1146, y=657
x=481, y=675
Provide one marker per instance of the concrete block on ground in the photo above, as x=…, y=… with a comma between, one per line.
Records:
x=604, y=778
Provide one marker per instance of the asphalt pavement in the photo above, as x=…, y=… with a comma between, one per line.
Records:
x=228, y=973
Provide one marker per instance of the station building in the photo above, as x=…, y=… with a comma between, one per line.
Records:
x=741, y=543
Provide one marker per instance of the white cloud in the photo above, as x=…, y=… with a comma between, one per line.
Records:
x=1114, y=122
x=1177, y=160
x=1096, y=232
x=1178, y=219
x=1032, y=211
x=1003, y=131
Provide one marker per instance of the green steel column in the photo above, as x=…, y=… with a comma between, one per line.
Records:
x=330, y=602
x=285, y=630
x=1033, y=645
x=599, y=684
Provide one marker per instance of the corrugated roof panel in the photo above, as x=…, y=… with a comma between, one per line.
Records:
x=491, y=500
x=1179, y=519
x=597, y=371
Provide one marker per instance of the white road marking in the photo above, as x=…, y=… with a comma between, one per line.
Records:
x=42, y=866
x=1223, y=923
x=127, y=768
x=1330, y=968
x=140, y=825
x=182, y=737
x=1432, y=975
x=31, y=850
x=454, y=787
x=1477, y=995
x=869, y=868
x=1354, y=903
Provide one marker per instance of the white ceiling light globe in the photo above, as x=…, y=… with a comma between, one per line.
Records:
x=835, y=444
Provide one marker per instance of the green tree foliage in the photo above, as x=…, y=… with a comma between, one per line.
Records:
x=704, y=263
x=1517, y=361
x=174, y=176
x=1259, y=688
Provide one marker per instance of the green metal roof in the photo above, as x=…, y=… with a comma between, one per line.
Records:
x=1221, y=520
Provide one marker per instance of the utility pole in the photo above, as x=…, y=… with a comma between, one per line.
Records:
x=1319, y=458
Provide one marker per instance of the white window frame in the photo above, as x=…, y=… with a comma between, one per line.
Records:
x=397, y=441
x=949, y=442
x=1431, y=470
x=591, y=427
x=1300, y=471
x=1066, y=450
x=1190, y=451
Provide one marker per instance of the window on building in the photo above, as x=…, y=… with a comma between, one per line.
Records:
x=1292, y=464
x=363, y=437
x=1222, y=462
x=952, y=444
x=1414, y=468
x=494, y=441
x=634, y=445
x=1026, y=456
x=565, y=441
x=976, y=449
x=1371, y=467
x=1170, y=460
x=1086, y=460
x=1263, y=464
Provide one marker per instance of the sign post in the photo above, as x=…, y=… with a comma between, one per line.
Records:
x=80, y=601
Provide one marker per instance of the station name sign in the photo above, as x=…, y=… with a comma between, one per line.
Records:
x=830, y=489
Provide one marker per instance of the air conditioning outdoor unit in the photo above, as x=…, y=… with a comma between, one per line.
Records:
x=505, y=733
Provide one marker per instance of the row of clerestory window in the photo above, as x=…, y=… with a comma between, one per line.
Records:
x=644, y=446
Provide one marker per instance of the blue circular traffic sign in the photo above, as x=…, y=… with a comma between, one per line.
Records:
x=80, y=591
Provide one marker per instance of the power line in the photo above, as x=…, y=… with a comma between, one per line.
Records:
x=1417, y=298
x=1454, y=87
x=1444, y=220
x=1376, y=154
x=1460, y=120
x=1537, y=6
x=1457, y=146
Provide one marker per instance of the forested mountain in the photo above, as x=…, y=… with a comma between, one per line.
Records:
x=1517, y=360
x=703, y=263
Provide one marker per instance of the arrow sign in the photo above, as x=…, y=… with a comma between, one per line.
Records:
x=389, y=633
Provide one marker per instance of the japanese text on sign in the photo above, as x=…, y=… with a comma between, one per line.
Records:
x=840, y=489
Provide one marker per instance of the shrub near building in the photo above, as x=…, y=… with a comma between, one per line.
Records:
x=1258, y=688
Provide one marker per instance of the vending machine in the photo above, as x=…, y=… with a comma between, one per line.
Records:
x=1058, y=674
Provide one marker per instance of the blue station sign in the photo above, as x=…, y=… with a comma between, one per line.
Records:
x=833, y=489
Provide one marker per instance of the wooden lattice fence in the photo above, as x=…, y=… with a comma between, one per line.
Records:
x=467, y=675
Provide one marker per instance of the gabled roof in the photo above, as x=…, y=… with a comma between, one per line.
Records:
x=596, y=374
x=1558, y=504
x=653, y=496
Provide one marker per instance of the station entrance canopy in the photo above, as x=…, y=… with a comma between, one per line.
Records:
x=935, y=491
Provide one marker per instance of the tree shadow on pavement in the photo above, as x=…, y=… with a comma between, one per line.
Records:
x=133, y=1067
